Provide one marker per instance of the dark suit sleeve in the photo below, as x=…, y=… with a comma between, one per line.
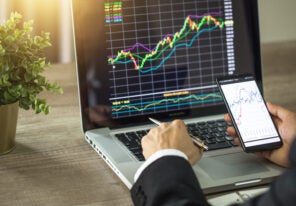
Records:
x=170, y=181
x=283, y=190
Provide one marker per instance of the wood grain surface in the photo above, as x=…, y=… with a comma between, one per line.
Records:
x=53, y=165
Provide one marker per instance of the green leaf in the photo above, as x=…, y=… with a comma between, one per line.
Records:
x=2, y=50
x=28, y=26
x=16, y=16
x=9, y=39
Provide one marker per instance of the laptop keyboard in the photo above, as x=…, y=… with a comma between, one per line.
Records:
x=211, y=132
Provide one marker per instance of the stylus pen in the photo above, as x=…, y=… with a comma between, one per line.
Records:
x=196, y=140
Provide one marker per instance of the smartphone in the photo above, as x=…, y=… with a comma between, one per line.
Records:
x=250, y=116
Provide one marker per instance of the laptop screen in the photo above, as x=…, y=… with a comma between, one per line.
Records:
x=160, y=58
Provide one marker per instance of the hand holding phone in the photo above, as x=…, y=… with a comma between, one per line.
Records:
x=247, y=109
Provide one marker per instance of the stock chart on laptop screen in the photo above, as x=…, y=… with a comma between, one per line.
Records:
x=140, y=58
x=165, y=55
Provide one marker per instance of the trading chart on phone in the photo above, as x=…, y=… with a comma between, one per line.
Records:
x=249, y=112
x=165, y=55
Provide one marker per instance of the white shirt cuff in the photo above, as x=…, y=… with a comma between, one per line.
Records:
x=156, y=156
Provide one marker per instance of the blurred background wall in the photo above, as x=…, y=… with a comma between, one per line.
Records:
x=277, y=20
x=54, y=16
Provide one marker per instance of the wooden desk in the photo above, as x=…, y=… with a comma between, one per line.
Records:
x=53, y=165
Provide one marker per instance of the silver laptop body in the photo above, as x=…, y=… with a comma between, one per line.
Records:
x=139, y=59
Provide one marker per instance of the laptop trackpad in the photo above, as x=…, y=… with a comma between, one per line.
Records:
x=231, y=165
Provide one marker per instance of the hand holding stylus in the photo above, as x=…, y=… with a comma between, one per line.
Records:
x=196, y=140
x=172, y=135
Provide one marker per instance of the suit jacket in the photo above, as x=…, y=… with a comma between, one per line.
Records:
x=170, y=180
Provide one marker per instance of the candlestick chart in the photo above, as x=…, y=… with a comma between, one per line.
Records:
x=169, y=44
x=165, y=55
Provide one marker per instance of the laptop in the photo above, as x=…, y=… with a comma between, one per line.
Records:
x=160, y=58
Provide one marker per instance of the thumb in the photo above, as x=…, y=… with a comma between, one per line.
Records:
x=276, y=110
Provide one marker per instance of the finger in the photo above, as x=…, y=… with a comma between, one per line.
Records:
x=164, y=125
x=272, y=108
x=144, y=140
x=265, y=154
x=227, y=118
x=151, y=131
x=179, y=124
x=148, y=144
x=276, y=110
x=236, y=141
x=144, y=144
x=150, y=138
x=231, y=131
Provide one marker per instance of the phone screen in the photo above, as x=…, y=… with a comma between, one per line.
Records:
x=249, y=114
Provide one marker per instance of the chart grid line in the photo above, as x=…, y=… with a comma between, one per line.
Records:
x=164, y=46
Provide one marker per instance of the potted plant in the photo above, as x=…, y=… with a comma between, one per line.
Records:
x=22, y=61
